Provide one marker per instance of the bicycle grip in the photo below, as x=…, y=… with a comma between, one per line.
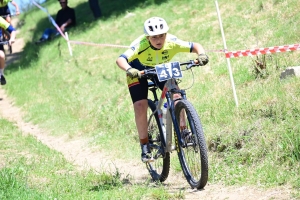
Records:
x=196, y=61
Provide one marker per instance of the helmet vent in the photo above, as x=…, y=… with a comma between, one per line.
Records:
x=155, y=26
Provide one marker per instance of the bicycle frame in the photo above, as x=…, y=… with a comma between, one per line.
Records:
x=182, y=118
x=168, y=92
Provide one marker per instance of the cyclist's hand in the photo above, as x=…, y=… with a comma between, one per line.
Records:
x=11, y=42
x=133, y=73
x=203, y=59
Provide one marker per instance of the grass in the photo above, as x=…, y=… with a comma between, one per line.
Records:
x=30, y=170
x=86, y=95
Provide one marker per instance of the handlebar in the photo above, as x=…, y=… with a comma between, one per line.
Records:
x=152, y=72
x=4, y=42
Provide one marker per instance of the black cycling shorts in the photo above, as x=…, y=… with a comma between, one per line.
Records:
x=138, y=88
x=4, y=10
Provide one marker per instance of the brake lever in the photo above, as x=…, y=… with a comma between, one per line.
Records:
x=192, y=64
x=189, y=66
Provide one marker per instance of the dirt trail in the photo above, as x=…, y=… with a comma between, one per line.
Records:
x=80, y=154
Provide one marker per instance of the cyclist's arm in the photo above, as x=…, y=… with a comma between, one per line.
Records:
x=128, y=56
x=12, y=32
x=12, y=36
x=17, y=7
x=198, y=49
x=8, y=27
x=122, y=63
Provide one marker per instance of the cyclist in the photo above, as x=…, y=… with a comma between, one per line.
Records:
x=8, y=27
x=4, y=9
x=156, y=46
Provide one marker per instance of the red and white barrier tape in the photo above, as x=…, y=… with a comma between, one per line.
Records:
x=50, y=18
x=228, y=54
x=214, y=50
x=95, y=44
x=259, y=51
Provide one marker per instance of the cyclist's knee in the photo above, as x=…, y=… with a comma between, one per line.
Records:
x=140, y=106
x=2, y=54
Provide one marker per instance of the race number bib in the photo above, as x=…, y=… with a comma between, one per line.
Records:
x=168, y=70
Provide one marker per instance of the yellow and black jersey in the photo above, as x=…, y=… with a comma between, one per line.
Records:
x=142, y=50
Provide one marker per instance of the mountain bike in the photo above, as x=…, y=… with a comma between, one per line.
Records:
x=183, y=119
x=5, y=36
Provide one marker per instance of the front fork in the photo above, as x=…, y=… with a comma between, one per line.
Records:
x=171, y=114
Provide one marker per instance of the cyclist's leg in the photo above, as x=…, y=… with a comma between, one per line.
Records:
x=2, y=13
x=138, y=89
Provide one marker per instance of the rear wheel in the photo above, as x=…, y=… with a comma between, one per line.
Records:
x=159, y=169
x=192, y=153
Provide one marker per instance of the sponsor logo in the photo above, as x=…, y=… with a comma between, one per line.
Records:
x=132, y=81
x=149, y=59
x=165, y=57
x=164, y=52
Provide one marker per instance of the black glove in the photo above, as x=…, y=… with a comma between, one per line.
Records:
x=203, y=59
x=133, y=73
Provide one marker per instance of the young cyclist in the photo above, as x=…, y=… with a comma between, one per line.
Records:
x=6, y=26
x=4, y=9
x=156, y=46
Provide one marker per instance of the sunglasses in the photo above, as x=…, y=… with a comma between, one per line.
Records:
x=62, y=2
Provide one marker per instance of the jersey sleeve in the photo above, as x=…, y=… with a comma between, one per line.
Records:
x=132, y=53
x=182, y=46
x=4, y=24
x=129, y=55
x=10, y=28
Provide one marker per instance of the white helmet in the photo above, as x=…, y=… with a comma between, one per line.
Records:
x=155, y=26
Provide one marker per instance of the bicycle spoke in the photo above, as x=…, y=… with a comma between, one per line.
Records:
x=159, y=169
x=192, y=153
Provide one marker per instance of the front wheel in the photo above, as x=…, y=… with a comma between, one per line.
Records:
x=192, y=152
x=6, y=37
x=159, y=169
x=10, y=49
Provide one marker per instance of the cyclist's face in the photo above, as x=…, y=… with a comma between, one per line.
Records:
x=157, y=40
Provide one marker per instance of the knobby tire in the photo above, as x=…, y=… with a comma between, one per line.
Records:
x=193, y=153
x=159, y=169
x=6, y=37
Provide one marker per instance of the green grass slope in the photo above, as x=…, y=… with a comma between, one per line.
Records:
x=85, y=95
